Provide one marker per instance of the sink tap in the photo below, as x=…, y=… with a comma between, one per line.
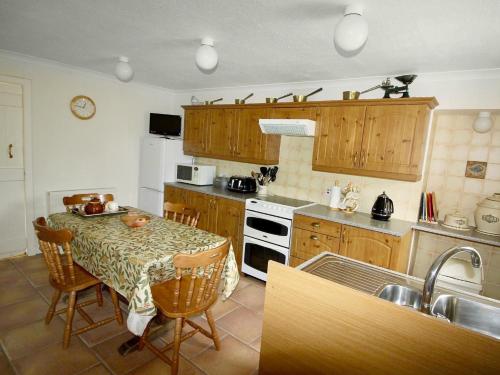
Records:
x=432, y=274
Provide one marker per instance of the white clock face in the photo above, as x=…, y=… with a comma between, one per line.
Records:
x=83, y=107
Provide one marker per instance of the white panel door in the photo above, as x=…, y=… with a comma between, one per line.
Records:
x=12, y=208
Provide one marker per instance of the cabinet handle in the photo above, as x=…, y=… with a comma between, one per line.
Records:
x=313, y=237
x=315, y=225
x=355, y=159
x=11, y=154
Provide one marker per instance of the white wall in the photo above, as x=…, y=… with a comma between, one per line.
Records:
x=69, y=153
x=454, y=90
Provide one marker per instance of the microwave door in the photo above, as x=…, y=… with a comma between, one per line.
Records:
x=184, y=173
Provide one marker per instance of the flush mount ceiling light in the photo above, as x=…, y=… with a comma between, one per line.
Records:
x=351, y=32
x=483, y=123
x=123, y=70
x=206, y=56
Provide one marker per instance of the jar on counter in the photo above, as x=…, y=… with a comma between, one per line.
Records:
x=487, y=215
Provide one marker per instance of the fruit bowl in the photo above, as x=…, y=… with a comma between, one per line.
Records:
x=133, y=220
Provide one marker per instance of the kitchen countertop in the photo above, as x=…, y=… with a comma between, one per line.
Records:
x=468, y=235
x=213, y=190
x=394, y=227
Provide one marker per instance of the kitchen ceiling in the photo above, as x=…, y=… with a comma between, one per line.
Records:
x=258, y=41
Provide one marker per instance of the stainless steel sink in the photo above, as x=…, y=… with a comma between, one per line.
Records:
x=470, y=314
x=401, y=295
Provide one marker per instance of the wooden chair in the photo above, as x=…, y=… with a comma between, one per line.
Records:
x=181, y=213
x=68, y=277
x=77, y=200
x=193, y=291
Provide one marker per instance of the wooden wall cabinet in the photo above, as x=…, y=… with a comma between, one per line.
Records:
x=313, y=236
x=385, y=141
x=222, y=216
x=382, y=138
x=229, y=134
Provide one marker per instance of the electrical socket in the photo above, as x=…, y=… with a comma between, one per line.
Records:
x=328, y=191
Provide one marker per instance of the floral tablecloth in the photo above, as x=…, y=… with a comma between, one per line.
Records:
x=130, y=260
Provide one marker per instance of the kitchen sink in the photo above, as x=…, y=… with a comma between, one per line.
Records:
x=401, y=295
x=470, y=314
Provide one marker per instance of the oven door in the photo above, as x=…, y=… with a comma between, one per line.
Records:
x=268, y=228
x=256, y=255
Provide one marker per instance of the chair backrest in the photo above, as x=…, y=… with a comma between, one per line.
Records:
x=203, y=271
x=77, y=200
x=181, y=213
x=51, y=241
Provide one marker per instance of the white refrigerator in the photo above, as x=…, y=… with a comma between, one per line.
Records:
x=157, y=166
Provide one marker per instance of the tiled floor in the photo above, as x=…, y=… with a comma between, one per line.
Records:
x=28, y=346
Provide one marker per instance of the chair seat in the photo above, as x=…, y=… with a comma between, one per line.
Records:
x=83, y=280
x=163, y=296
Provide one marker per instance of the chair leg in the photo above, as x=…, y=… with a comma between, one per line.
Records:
x=69, y=319
x=98, y=292
x=55, y=299
x=177, y=345
x=142, y=341
x=116, y=304
x=211, y=323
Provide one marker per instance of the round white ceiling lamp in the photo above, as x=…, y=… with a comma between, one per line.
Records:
x=351, y=32
x=206, y=56
x=483, y=123
x=123, y=70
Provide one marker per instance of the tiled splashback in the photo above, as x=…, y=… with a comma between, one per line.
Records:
x=454, y=143
x=296, y=179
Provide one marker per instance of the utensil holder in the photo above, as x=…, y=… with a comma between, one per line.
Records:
x=262, y=190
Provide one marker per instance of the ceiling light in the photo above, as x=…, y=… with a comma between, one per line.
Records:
x=123, y=70
x=206, y=56
x=351, y=32
x=483, y=123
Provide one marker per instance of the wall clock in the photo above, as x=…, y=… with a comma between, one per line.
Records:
x=82, y=107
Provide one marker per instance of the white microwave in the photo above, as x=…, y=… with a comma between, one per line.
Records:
x=195, y=174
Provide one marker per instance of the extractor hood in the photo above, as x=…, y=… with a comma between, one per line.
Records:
x=297, y=128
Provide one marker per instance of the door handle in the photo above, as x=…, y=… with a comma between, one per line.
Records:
x=355, y=159
x=11, y=154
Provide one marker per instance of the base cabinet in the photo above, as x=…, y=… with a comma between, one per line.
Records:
x=313, y=236
x=222, y=216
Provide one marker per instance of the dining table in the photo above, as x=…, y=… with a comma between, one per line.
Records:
x=131, y=260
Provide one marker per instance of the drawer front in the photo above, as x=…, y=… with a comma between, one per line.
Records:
x=317, y=225
x=294, y=261
x=307, y=244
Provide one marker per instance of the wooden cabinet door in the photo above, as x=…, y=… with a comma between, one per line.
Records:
x=230, y=217
x=367, y=246
x=175, y=195
x=251, y=144
x=337, y=143
x=195, y=131
x=206, y=205
x=220, y=132
x=393, y=139
x=307, y=244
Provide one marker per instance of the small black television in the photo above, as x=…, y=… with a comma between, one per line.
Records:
x=165, y=125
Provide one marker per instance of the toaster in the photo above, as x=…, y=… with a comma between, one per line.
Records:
x=242, y=184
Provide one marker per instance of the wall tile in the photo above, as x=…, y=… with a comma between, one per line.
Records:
x=473, y=185
x=494, y=155
x=479, y=139
x=455, y=168
x=460, y=137
x=491, y=187
x=454, y=183
x=459, y=152
x=495, y=138
x=478, y=153
x=493, y=172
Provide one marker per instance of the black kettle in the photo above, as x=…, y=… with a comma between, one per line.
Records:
x=382, y=208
